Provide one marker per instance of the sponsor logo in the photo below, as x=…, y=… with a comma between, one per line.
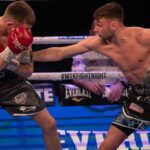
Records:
x=27, y=108
x=18, y=45
x=91, y=139
x=46, y=93
x=20, y=98
x=77, y=99
x=83, y=75
x=75, y=92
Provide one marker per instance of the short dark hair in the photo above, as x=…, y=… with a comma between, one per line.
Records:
x=111, y=10
x=21, y=12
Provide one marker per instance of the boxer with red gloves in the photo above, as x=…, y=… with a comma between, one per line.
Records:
x=15, y=69
x=19, y=39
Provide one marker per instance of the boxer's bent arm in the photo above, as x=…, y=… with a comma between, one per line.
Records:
x=24, y=70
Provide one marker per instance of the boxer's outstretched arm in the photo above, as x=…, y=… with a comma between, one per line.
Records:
x=59, y=53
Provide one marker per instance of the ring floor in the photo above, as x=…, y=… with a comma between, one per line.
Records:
x=79, y=127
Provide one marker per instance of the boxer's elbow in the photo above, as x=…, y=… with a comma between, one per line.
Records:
x=24, y=71
x=29, y=72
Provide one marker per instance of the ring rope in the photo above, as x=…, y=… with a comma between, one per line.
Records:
x=76, y=75
x=70, y=75
x=58, y=39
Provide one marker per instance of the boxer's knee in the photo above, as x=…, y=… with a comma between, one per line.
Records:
x=49, y=126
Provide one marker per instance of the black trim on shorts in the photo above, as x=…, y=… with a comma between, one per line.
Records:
x=125, y=130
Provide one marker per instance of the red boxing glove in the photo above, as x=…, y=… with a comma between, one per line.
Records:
x=19, y=39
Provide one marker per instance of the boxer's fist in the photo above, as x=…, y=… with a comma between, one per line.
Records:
x=19, y=39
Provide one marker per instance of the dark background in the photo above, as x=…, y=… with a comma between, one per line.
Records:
x=74, y=17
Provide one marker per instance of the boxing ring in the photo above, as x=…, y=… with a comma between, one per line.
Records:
x=69, y=75
x=80, y=127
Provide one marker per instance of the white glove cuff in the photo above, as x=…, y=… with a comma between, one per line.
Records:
x=13, y=65
x=25, y=57
x=7, y=55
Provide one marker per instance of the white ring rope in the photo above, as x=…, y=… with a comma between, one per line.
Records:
x=76, y=75
x=58, y=39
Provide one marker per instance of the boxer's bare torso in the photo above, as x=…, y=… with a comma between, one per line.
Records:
x=131, y=53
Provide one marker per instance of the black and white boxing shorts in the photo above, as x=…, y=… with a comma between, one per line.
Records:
x=135, y=113
x=20, y=99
